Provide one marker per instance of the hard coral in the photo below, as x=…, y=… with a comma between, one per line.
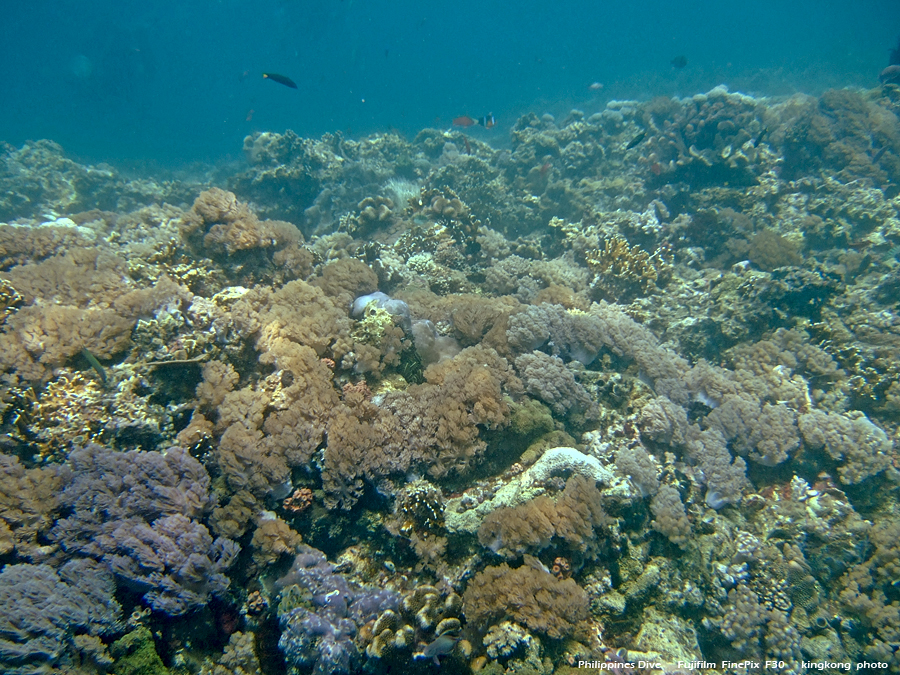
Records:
x=621, y=273
x=424, y=615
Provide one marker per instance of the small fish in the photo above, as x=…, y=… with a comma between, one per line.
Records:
x=95, y=364
x=596, y=86
x=636, y=140
x=679, y=61
x=280, y=79
x=441, y=646
x=487, y=121
x=249, y=115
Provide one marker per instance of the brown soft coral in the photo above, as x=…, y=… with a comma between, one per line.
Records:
x=218, y=380
x=273, y=539
x=670, y=518
x=434, y=426
x=514, y=530
x=270, y=427
x=81, y=277
x=531, y=596
x=360, y=446
x=42, y=337
x=227, y=225
x=20, y=245
x=443, y=417
x=298, y=312
x=531, y=526
x=276, y=424
x=346, y=279
x=27, y=502
x=145, y=302
x=478, y=319
x=867, y=587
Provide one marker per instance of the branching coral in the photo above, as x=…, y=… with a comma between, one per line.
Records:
x=621, y=273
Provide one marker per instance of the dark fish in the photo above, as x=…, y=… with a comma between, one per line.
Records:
x=636, y=140
x=95, y=364
x=895, y=56
x=280, y=79
x=890, y=75
x=679, y=61
x=487, y=121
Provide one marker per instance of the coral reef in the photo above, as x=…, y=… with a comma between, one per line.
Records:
x=622, y=390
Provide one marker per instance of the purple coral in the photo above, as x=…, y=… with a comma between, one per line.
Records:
x=175, y=559
x=43, y=611
x=320, y=633
x=135, y=511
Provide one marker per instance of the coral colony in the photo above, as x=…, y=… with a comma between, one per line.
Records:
x=622, y=396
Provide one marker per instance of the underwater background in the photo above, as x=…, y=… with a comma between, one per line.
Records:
x=174, y=82
x=449, y=338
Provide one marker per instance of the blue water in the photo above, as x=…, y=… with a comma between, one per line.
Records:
x=175, y=82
